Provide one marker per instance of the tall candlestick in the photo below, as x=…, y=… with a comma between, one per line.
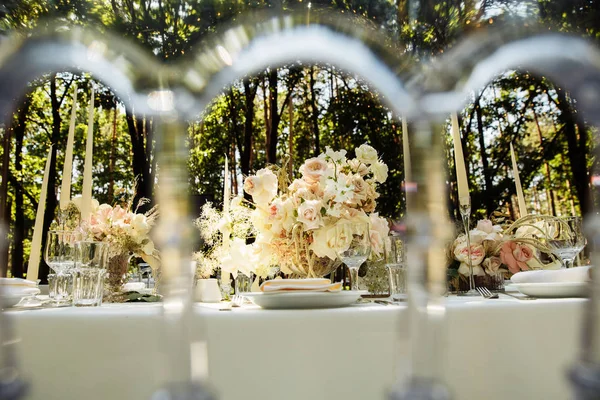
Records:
x=38, y=230
x=406, y=152
x=464, y=199
x=459, y=163
x=225, y=275
x=86, y=200
x=65, y=189
x=520, y=197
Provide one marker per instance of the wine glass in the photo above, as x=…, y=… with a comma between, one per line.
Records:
x=353, y=246
x=59, y=254
x=566, y=239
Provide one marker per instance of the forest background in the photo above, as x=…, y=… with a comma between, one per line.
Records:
x=294, y=111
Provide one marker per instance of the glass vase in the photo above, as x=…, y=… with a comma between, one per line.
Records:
x=116, y=277
x=243, y=283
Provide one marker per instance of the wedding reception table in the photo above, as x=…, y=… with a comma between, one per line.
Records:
x=495, y=349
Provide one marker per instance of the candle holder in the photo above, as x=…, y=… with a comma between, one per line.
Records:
x=465, y=213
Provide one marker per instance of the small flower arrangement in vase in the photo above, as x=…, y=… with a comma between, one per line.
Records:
x=127, y=233
x=498, y=251
x=224, y=234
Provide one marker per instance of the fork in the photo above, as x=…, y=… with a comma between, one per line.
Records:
x=483, y=291
x=237, y=300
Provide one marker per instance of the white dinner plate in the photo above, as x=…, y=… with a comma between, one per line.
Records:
x=553, y=289
x=304, y=299
x=11, y=298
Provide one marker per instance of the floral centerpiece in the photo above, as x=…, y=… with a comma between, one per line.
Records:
x=127, y=233
x=293, y=225
x=499, y=250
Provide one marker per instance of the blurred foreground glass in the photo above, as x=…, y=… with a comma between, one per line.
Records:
x=91, y=260
x=395, y=265
x=59, y=254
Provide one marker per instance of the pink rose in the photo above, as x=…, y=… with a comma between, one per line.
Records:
x=461, y=253
x=313, y=169
x=515, y=256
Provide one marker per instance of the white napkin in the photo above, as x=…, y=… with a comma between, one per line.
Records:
x=575, y=274
x=312, y=285
x=133, y=286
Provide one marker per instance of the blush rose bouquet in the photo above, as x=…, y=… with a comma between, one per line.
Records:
x=498, y=250
x=295, y=223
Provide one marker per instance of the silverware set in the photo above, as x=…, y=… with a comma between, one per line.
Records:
x=486, y=294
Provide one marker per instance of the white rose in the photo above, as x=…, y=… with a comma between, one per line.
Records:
x=379, y=231
x=360, y=189
x=380, y=171
x=262, y=186
x=326, y=242
x=485, y=225
x=309, y=213
x=281, y=216
x=366, y=154
x=357, y=167
x=313, y=169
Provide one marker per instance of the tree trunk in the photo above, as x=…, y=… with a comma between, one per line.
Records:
x=549, y=191
x=111, y=165
x=140, y=160
x=291, y=138
x=576, y=150
x=274, y=114
x=4, y=201
x=487, y=198
x=19, y=225
x=315, y=112
x=246, y=151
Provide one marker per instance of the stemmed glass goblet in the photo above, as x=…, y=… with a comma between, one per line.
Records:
x=59, y=254
x=566, y=239
x=353, y=247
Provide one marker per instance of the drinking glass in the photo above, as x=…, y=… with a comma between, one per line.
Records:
x=353, y=246
x=91, y=259
x=566, y=239
x=60, y=256
x=51, y=286
x=395, y=264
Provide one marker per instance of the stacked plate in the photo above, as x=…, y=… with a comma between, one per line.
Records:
x=572, y=282
x=302, y=294
x=12, y=290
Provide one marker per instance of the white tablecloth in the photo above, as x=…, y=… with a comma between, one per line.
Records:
x=495, y=349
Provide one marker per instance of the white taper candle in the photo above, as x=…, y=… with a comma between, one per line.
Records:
x=459, y=163
x=38, y=230
x=65, y=189
x=520, y=197
x=406, y=151
x=86, y=195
